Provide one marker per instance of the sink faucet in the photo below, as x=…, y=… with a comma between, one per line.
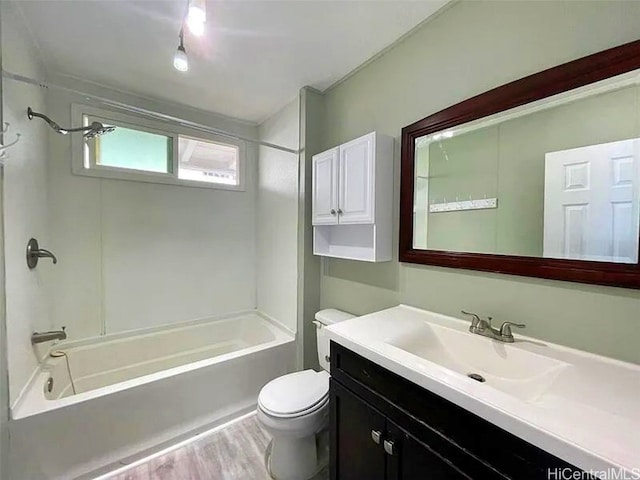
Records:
x=484, y=328
x=40, y=337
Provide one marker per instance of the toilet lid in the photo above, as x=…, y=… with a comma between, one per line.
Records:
x=295, y=393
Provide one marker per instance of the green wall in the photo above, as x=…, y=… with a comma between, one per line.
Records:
x=507, y=161
x=464, y=166
x=469, y=48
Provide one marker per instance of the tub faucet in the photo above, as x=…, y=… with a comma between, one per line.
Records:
x=484, y=328
x=40, y=337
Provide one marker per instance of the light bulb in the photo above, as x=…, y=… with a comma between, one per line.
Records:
x=196, y=16
x=180, y=60
x=195, y=27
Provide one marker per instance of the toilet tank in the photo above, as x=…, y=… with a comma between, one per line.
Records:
x=325, y=318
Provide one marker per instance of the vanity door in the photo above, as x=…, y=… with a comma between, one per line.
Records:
x=357, y=434
x=408, y=458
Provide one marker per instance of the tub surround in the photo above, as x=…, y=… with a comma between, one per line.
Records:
x=577, y=406
x=277, y=217
x=98, y=223
x=25, y=203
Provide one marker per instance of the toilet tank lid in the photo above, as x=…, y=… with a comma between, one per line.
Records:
x=329, y=316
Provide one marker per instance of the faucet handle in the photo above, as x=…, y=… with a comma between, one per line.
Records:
x=475, y=319
x=505, y=328
x=478, y=324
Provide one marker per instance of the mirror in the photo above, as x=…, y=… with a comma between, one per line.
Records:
x=558, y=178
x=540, y=187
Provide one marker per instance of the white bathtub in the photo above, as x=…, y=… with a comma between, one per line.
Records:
x=137, y=392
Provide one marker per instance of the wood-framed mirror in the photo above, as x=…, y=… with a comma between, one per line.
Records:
x=539, y=177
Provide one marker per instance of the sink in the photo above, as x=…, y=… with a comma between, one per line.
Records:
x=577, y=405
x=505, y=367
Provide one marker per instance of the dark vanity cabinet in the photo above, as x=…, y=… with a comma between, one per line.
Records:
x=384, y=427
x=368, y=445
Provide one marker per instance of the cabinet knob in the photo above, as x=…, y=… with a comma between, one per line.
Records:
x=339, y=211
x=376, y=435
x=390, y=447
x=333, y=212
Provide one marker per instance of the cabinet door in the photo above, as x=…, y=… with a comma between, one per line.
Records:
x=324, y=203
x=410, y=459
x=354, y=454
x=356, y=184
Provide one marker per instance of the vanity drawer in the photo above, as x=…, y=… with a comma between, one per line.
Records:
x=454, y=431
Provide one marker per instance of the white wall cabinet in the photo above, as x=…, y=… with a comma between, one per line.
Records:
x=352, y=199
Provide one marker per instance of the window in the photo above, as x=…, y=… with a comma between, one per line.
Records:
x=204, y=161
x=152, y=151
x=133, y=149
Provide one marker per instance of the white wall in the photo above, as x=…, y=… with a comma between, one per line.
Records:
x=25, y=202
x=277, y=218
x=135, y=255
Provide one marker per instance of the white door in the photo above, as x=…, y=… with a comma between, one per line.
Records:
x=356, y=184
x=324, y=202
x=591, y=202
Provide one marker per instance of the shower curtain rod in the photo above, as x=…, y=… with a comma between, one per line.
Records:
x=145, y=112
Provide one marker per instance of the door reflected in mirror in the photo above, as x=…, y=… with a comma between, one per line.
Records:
x=557, y=178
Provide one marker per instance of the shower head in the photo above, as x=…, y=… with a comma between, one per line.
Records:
x=97, y=128
x=93, y=130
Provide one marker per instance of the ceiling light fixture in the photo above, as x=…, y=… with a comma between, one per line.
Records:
x=180, y=59
x=196, y=16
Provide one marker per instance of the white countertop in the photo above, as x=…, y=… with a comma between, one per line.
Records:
x=587, y=412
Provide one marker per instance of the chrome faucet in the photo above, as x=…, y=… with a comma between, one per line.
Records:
x=484, y=328
x=40, y=337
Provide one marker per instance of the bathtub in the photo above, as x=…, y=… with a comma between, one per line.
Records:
x=96, y=403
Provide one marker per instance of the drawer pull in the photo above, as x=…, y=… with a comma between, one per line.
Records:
x=365, y=373
x=390, y=447
x=376, y=435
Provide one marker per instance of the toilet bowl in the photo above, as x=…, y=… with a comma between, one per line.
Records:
x=294, y=410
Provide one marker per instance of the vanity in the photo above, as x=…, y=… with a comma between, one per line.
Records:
x=415, y=395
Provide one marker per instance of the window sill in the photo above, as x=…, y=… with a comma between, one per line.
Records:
x=149, y=177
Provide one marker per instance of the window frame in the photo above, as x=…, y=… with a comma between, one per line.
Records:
x=86, y=166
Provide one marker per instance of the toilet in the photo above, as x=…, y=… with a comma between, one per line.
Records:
x=294, y=410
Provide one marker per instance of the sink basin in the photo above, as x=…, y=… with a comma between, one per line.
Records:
x=503, y=366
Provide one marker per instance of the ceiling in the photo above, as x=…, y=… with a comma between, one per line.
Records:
x=251, y=61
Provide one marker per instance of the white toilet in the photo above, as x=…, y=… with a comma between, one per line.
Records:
x=294, y=409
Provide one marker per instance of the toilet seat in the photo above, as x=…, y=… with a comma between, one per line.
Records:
x=295, y=395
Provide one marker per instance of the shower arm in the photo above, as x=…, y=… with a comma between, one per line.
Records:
x=54, y=125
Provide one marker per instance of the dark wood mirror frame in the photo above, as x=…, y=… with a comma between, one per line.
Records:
x=569, y=76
